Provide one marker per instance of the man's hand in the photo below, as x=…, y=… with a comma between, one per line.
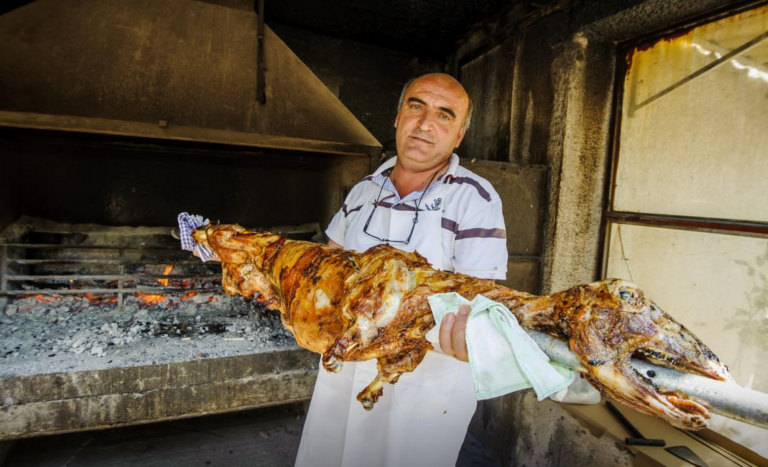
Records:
x=453, y=331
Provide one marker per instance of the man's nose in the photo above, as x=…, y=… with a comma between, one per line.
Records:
x=426, y=122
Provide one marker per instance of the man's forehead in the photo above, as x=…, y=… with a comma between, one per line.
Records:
x=440, y=88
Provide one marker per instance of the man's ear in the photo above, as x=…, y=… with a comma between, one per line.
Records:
x=397, y=119
x=460, y=137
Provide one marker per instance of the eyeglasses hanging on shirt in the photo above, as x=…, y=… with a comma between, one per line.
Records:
x=415, y=216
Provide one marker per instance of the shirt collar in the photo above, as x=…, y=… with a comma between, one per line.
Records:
x=381, y=178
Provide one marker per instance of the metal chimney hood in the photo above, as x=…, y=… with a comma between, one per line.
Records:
x=169, y=69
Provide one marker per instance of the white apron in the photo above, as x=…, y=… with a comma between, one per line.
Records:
x=420, y=421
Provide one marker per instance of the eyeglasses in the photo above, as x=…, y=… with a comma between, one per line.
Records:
x=415, y=216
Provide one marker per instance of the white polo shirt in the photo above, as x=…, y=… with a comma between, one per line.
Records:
x=460, y=225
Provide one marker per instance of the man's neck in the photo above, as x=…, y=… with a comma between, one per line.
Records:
x=407, y=181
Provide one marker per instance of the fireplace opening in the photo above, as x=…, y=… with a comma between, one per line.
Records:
x=77, y=294
x=100, y=307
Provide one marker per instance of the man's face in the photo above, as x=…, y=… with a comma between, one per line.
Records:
x=429, y=122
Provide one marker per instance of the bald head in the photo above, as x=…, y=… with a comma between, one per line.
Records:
x=447, y=81
x=431, y=121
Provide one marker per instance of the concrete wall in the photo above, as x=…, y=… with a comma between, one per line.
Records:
x=523, y=190
x=488, y=79
x=523, y=431
x=107, y=398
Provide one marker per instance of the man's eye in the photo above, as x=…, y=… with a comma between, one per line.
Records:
x=416, y=106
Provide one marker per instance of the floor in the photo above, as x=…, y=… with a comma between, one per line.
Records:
x=256, y=438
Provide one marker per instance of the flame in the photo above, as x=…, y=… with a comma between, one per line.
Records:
x=151, y=299
x=168, y=269
x=188, y=296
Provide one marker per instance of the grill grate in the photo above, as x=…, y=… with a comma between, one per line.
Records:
x=94, y=260
x=70, y=270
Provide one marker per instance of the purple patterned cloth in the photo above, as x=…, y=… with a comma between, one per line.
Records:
x=188, y=223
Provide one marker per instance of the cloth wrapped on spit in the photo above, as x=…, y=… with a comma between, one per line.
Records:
x=188, y=223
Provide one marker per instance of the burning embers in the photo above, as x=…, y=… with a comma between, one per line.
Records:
x=153, y=299
x=100, y=264
x=127, y=295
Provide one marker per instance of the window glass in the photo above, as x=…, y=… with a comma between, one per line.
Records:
x=698, y=145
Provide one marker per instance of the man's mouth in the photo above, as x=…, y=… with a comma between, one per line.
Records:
x=423, y=140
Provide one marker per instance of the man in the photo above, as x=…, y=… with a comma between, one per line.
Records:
x=424, y=201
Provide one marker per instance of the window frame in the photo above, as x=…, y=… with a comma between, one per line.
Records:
x=696, y=224
x=689, y=223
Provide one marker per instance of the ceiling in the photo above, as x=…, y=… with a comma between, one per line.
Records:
x=424, y=28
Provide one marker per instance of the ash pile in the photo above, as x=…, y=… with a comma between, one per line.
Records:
x=53, y=333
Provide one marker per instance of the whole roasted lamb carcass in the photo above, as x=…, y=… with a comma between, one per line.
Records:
x=351, y=306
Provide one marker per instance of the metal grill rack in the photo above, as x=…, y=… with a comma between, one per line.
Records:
x=45, y=269
x=105, y=261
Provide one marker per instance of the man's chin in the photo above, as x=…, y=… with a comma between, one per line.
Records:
x=417, y=155
x=418, y=160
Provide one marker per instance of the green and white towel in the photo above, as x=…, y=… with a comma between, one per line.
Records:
x=503, y=356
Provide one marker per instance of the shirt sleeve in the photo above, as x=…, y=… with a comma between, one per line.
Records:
x=480, y=247
x=337, y=229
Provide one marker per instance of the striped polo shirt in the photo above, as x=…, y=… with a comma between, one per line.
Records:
x=460, y=207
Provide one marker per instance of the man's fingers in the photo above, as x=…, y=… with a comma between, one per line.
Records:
x=446, y=342
x=458, y=334
x=453, y=331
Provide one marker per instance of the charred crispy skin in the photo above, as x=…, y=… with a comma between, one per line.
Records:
x=373, y=305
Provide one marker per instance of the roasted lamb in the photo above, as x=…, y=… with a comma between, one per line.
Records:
x=352, y=306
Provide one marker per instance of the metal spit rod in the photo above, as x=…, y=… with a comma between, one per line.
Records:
x=723, y=398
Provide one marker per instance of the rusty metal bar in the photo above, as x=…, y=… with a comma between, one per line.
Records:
x=106, y=277
x=120, y=284
x=107, y=291
x=693, y=223
x=261, y=95
x=91, y=247
x=3, y=269
x=120, y=262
